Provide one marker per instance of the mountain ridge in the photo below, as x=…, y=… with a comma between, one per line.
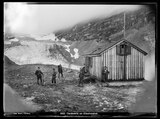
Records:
x=104, y=28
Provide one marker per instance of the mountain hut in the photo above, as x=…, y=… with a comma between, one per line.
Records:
x=125, y=61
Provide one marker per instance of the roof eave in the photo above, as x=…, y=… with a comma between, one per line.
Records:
x=92, y=55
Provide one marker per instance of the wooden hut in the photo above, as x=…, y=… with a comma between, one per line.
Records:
x=125, y=61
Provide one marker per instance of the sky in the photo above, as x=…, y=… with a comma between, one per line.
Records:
x=42, y=19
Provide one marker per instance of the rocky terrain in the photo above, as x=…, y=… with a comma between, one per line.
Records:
x=66, y=96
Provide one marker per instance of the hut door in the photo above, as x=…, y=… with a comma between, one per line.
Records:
x=123, y=50
x=122, y=66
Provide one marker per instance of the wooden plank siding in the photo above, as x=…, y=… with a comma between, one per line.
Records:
x=115, y=63
x=96, y=66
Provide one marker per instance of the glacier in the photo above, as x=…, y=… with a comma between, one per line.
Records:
x=36, y=52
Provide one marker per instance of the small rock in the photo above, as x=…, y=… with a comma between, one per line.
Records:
x=104, y=109
x=35, y=92
x=99, y=85
x=120, y=106
x=25, y=86
x=30, y=84
x=69, y=71
x=76, y=74
x=23, y=94
x=59, y=101
x=54, y=110
x=106, y=102
x=48, y=105
x=42, y=94
x=100, y=104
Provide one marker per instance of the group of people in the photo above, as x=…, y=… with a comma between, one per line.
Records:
x=105, y=73
x=40, y=75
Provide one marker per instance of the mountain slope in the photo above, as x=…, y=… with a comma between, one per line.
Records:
x=139, y=29
x=104, y=28
x=8, y=62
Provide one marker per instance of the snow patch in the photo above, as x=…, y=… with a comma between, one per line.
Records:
x=14, y=40
x=67, y=48
x=63, y=40
x=76, y=55
x=51, y=37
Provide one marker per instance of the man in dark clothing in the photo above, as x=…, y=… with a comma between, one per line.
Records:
x=54, y=76
x=81, y=76
x=60, y=71
x=39, y=75
x=105, y=73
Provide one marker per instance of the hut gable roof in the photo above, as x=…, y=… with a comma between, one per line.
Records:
x=110, y=44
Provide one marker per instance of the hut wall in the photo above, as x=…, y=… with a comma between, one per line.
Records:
x=96, y=67
x=115, y=63
x=134, y=64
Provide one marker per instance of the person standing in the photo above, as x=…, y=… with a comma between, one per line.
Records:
x=39, y=75
x=81, y=76
x=105, y=73
x=54, y=76
x=60, y=71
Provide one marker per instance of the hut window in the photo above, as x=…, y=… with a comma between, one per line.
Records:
x=123, y=49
